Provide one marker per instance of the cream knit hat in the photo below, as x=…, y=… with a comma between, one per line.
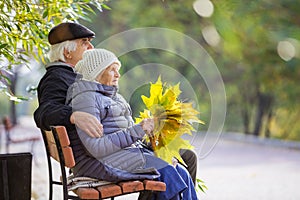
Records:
x=94, y=61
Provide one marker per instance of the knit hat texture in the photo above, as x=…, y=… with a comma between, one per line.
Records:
x=68, y=31
x=94, y=61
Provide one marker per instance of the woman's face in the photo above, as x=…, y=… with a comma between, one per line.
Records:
x=110, y=76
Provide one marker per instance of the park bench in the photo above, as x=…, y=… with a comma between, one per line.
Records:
x=8, y=126
x=58, y=147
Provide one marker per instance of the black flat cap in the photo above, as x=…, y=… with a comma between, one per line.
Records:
x=68, y=31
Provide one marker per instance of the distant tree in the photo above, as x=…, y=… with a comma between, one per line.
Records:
x=262, y=88
x=265, y=77
x=24, y=25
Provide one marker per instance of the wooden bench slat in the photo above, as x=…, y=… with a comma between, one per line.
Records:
x=154, y=185
x=50, y=138
x=69, y=159
x=53, y=151
x=87, y=193
x=131, y=186
x=110, y=190
x=65, y=142
x=63, y=136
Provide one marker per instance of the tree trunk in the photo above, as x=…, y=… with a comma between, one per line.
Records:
x=246, y=119
x=13, y=109
x=246, y=105
x=268, y=124
x=259, y=116
x=265, y=102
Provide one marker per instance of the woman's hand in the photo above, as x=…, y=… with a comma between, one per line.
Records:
x=174, y=162
x=148, y=126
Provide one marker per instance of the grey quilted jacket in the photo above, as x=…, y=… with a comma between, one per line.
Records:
x=118, y=150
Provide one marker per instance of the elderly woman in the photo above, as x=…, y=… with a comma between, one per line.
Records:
x=118, y=155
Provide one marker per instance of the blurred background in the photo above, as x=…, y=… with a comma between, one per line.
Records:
x=255, y=46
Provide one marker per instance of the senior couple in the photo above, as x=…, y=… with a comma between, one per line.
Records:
x=80, y=91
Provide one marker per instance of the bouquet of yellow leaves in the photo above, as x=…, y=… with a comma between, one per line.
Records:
x=172, y=119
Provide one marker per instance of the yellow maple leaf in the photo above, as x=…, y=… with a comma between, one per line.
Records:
x=172, y=119
x=168, y=152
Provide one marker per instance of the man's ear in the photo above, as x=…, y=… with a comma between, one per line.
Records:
x=67, y=54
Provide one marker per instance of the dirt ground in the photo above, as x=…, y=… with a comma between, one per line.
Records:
x=232, y=169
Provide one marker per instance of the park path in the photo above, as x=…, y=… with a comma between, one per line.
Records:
x=239, y=170
x=233, y=169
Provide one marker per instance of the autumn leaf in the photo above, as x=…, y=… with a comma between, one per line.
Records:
x=172, y=119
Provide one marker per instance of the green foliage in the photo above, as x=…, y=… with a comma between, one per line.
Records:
x=250, y=35
x=24, y=26
x=200, y=185
x=246, y=56
x=4, y=106
x=178, y=16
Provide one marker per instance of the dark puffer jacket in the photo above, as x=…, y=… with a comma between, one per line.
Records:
x=52, y=92
x=117, y=152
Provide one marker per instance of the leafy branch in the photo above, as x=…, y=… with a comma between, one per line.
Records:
x=24, y=25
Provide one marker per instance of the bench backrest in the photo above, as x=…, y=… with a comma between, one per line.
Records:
x=63, y=138
x=7, y=123
x=57, y=145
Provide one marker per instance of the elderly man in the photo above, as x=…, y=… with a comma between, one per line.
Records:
x=68, y=42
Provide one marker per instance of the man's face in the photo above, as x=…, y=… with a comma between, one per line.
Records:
x=83, y=44
x=110, y=76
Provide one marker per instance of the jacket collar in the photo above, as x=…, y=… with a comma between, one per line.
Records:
x=59, y=64
x=82, y=86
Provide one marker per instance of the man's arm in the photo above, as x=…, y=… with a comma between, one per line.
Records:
x=52, y=110
x=88, y=123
